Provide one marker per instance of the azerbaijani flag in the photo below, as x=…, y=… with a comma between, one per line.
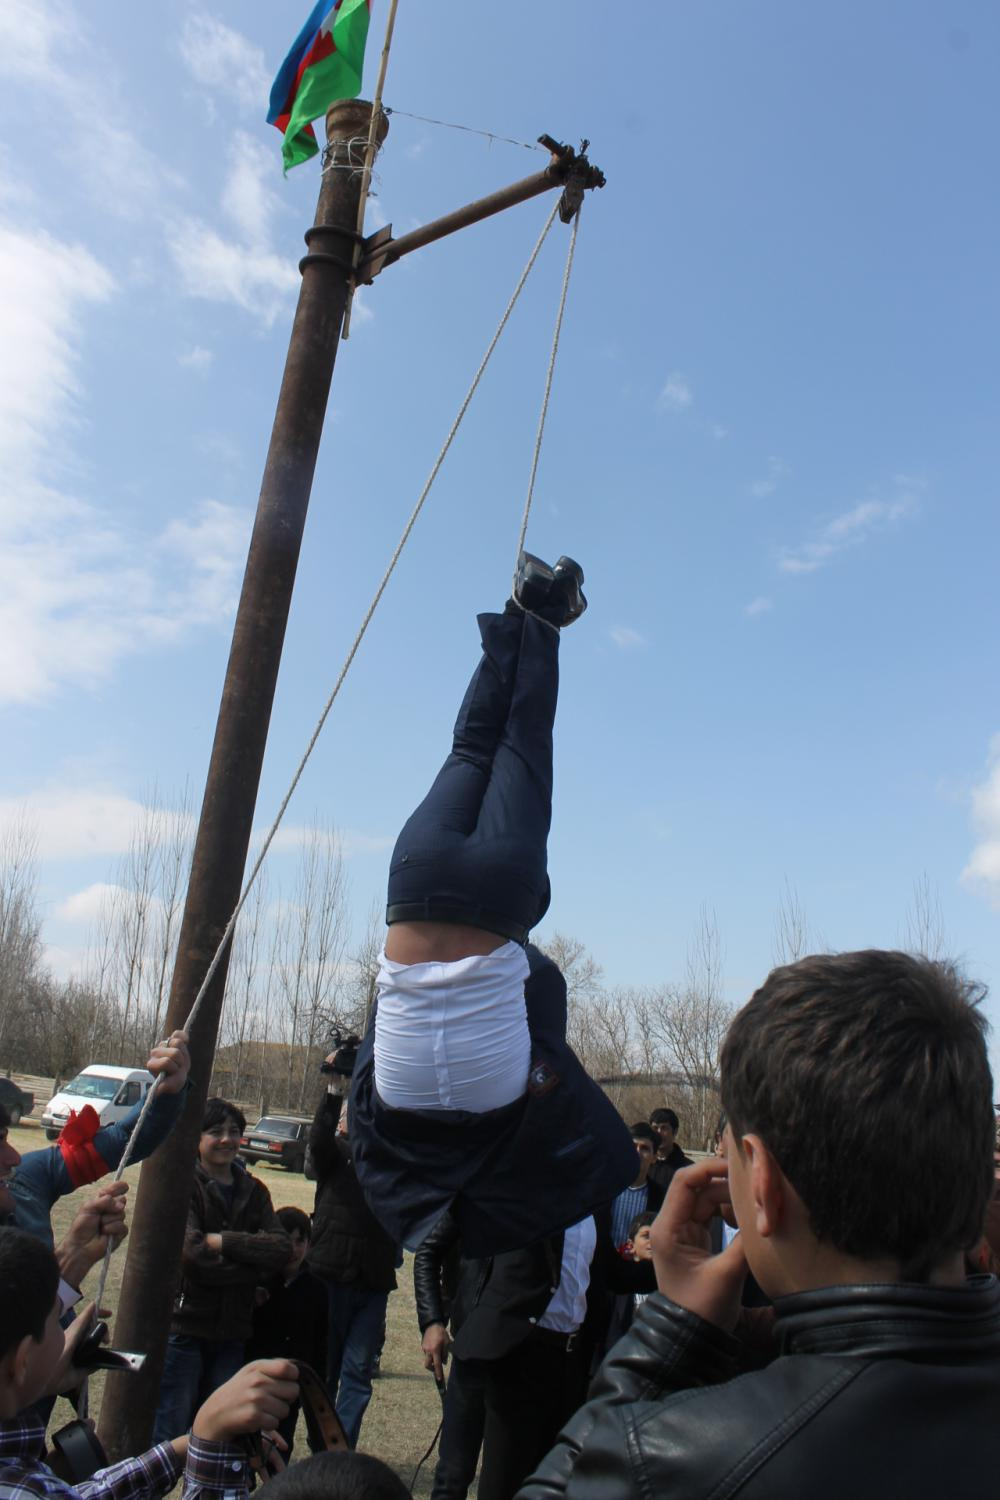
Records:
x=324, y=64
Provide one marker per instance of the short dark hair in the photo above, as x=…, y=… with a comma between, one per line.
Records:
x=29, y=1276
x=4, y=1117
x=664, y=1116
x=218, y=1111
x=643, y=1131
x=639, y=1222
x=836, y=1061
x=338, y=1476
x=292, y=1219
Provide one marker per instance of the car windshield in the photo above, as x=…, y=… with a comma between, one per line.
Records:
x=93, y=1086
x=286, y=1128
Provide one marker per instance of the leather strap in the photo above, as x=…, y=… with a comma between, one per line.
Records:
x=76, y=1452
x=326, y=1434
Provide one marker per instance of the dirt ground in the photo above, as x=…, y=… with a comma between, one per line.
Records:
x=405, y=1408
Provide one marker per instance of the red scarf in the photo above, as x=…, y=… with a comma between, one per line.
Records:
x=83, y=1162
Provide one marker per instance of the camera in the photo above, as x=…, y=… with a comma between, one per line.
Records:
x=345, y=1051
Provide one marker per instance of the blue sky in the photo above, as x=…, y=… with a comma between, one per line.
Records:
x=772, y=443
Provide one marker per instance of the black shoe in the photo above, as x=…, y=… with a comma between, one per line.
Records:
x=568, y=588
x=532, y=582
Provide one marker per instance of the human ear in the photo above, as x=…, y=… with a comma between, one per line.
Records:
x=766, y=1186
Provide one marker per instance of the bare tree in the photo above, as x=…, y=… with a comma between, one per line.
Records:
x=309, y=948
x=791, y=928
x=359, y=995
x=692, y=1021
x=925, y=930
x=249, y=975
x=583, y=976
x=20, y=926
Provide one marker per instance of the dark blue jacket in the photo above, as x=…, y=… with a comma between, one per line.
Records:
x=509, y=1176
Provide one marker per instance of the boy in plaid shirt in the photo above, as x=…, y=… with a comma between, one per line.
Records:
x=35, y=1360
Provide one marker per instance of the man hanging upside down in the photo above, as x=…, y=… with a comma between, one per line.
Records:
x=466, y=1095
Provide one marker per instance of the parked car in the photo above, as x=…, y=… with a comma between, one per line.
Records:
x=111, y=1091
x=17, y=1102
x=278, y=1138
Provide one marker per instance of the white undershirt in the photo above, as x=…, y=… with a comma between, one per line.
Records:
x=453, y=1035
x=568, y=1308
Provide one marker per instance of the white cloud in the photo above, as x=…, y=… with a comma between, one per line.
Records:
x=87, y=906
x=77, y=590
x=759, y=606
x=78, y=822
x=197, y=358
x=776, y=471
x=224, y=59
x=983, y=870
x=676, y=394
x=43, y=46
x=850, y=529
x=626, y=638
x=246, y=271
x=45, y=287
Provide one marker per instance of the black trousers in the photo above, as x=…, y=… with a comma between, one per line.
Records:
x=461, y=1432
x=529, y=1395
x=474, y=851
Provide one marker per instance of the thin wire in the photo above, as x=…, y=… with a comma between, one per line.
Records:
x=449, y=125
x=548, y=386
x=231, y=924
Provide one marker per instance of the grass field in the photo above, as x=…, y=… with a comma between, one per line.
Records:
x=405, y=1408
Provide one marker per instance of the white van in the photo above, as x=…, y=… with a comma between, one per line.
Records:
x=112, y=1092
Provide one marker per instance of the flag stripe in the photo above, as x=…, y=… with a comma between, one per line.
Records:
x=325, y=64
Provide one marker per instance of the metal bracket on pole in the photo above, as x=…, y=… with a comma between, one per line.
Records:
x=568, y=169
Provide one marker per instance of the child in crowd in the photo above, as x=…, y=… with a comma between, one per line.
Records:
x=291, y=1314
x=233, y=1238
x=638, y=1247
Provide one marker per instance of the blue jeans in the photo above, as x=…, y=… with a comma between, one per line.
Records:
x=474, y=851
x=355, y=1321
x=192, y=1370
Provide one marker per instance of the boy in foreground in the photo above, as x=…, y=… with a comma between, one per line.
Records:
x=860, y=1165
x=35, y=1360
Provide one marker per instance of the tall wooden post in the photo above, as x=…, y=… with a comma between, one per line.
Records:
x=223, y=837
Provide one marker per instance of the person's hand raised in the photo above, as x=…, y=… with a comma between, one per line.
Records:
x=173, y=1060
x=686, y=1270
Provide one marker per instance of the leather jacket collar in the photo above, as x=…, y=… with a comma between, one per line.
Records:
x=914, y=1321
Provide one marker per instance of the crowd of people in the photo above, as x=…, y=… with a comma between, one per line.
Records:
x=811, y=1309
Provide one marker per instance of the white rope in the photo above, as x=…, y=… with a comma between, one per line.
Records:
x=548, y=388
x=269, y=838
x=370, y=150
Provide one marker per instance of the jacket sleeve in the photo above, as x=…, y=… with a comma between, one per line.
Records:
x=110, y=1142
x=427, y=1267
x=667, y=1350
x=245, y=1257
x=266, y=1248
x=326, y=1159
x=42, y=1176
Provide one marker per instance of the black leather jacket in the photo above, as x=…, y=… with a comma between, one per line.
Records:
x=878, y=1391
